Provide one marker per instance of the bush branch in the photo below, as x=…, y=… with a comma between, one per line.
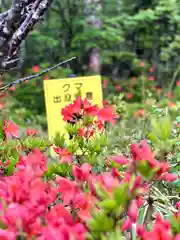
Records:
x=28, y=78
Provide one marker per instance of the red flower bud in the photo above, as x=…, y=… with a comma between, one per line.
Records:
x=126, y=225
x=170, y=177
x=133, y=211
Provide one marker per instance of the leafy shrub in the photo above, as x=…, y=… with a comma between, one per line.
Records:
x=85, y=193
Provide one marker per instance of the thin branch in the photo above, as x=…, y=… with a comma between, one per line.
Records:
x=28, y=78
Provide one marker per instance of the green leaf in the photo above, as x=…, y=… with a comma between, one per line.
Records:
x=161, y=128
x=153, y=138
x=145, y=170
x=108, y=204
x=101, y=223
x=115, y=235
x=59, y=140
x=175, y=224
x=100, y=192
x=10, y=167
x=121, y=194
x=63, y=170
x=35, y=142
x=166, y=128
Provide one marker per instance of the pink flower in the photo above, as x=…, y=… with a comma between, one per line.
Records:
x=139, y=113
x=105, y=83
x=65, y=155
x=107, y=114
x=36, y=69
x=118, y=87
x=84, y=202
x=170, y=177
x=60, y=211
x=151, y=78
x=105, y=102
x=86, y=132
x=127, y=176
x=53, y=233
x=151, y=69
x=79, y=108
x=178, y=205
x=7, y=163
x=99, y=125
x=89, y=109
x=72, y=110
x=108, y=181
x=178, y=83
x=1, y=106
x=169, y=95
x=140, y=201
x=10, y=129
x=46, y=77
x=177, y=237
x=7, y=235
x=67, y=189
x=133, y=211
x=129, y=95
x=160, y=231
x=140, y=231
x=120, y=159
x=15, y=215
x=81, y=173
x=142, y=64
x=127, y=224
x=115, y=173
x=31, y=132
x=142, y=152
x=137, y=183
x=163, y=168
x=12, y=88
x=171, y=104
x=36, y=163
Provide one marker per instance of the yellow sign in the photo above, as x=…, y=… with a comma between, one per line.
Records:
x=62, y=92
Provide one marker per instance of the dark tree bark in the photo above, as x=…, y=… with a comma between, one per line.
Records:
x=93, y=9
x=15, y=25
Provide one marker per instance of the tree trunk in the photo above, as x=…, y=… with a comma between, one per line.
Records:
x=92, y=11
